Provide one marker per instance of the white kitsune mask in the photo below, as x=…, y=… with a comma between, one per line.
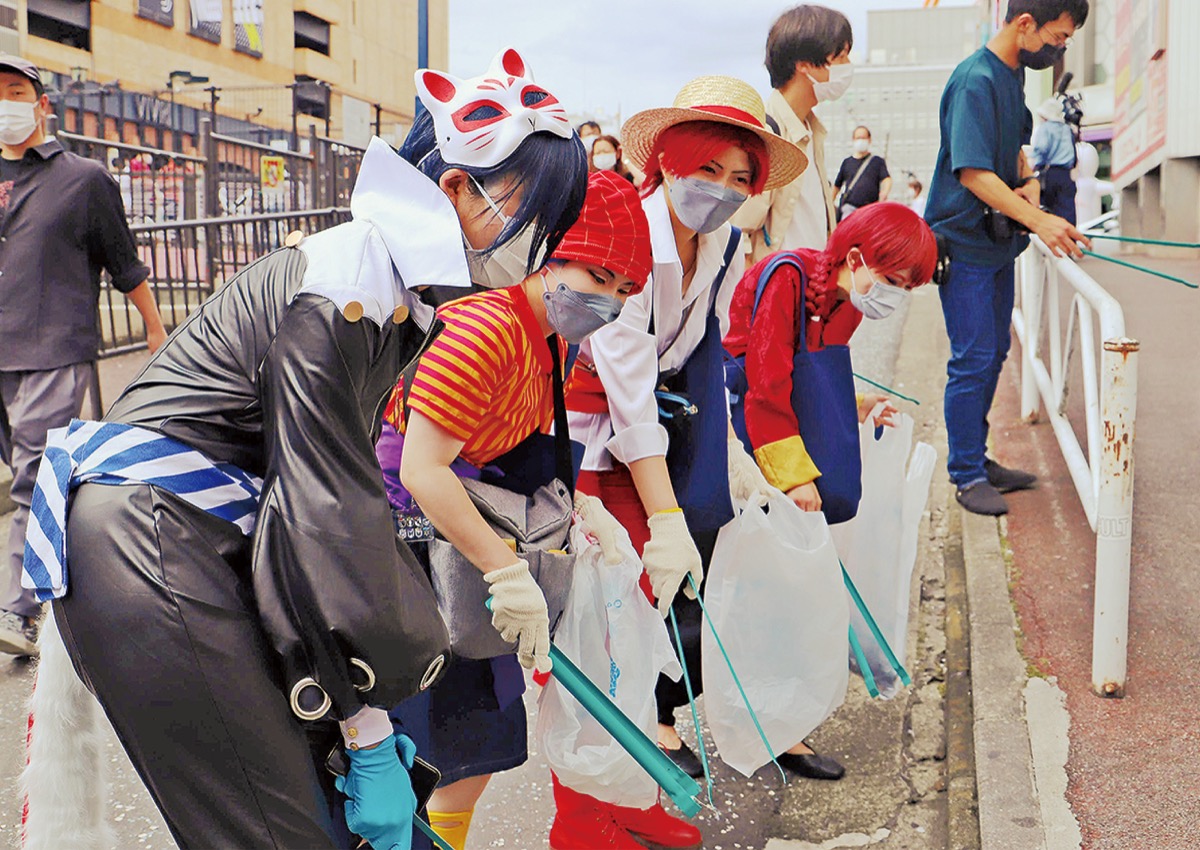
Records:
x=481, y=121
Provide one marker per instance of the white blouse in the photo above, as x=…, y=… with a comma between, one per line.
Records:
x=628, y=358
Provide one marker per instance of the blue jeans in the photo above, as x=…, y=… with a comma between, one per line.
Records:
x=977, y=302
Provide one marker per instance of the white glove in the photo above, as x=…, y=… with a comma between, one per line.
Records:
x=519, y=613
x=669, y=557
x=746, y=481
x=600, y=524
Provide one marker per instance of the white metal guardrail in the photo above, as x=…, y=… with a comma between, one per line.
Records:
x=1103, y=476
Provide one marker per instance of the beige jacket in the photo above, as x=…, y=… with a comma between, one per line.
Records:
x=771, y=212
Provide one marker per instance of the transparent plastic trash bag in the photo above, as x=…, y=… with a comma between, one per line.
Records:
x=775, y=595
x=619, y=641
x=879, y=546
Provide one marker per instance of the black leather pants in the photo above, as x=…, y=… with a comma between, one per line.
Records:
x=161, y=625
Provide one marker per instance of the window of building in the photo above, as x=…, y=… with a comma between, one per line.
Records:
x=312, y=32
x=68, y=22
x=312, y=97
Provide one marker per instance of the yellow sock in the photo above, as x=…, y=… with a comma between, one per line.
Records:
x=452, y=826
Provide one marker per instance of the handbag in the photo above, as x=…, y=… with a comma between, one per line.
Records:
x=823, y=399
x=527, y=503
x=692, y=407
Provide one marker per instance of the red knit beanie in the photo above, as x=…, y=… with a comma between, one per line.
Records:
x=612, y=231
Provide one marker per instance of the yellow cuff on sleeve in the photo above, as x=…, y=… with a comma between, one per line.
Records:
x=786, y=464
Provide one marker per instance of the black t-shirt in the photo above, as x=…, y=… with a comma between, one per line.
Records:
x=866, y=190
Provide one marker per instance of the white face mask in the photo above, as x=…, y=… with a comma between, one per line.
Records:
x=839, y=80
x=862, y=145
x=17, y=121
x=878, y=302
x=604, y=161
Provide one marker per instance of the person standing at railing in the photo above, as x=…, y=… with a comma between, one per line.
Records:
x=61, y=222
x=982, y=202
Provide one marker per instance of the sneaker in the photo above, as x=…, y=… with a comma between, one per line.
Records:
x=982, y=498
x=18, y=635
x=1007, y=480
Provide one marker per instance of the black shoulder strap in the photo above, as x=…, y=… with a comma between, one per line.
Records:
x=562, y=432
x=773, y=124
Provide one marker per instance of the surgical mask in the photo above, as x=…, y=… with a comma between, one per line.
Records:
x=17, y=121
x=862, y=145
x=507, y=266
x=478, y=258
x=604, y=161
x=878, y=302
x=1037, y=60
x=839, y=80
x=703, y=206
x=577, y=315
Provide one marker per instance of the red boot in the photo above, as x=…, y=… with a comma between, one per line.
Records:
x=584, y=823
x=657, y=828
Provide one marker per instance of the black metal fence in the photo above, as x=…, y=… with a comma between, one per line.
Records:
x=189, y=260
x=227, y=176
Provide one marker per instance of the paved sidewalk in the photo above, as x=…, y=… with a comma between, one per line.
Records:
x=1131, y=763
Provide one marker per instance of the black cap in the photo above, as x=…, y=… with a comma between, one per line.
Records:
x=24, y=67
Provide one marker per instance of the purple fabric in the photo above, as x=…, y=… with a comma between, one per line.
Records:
x=388, y=449
x=508, y=680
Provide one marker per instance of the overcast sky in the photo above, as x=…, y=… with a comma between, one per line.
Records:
x=627, y=55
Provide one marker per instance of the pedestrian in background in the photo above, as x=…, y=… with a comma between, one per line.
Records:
x=863, y=178
x=606, y=155
x=589, y=131
x=983, y=197
x=62, y=223
x=808, y=59
x=1053, y=158
x=916, y=195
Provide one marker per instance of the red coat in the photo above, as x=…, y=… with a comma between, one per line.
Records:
x=770, y=419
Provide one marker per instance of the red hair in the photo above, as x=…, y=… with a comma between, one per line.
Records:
x=687, y=146
x=892, y=239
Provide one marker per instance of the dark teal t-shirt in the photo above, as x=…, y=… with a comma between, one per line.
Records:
x=984, y=122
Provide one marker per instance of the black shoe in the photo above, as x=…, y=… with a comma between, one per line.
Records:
x=1007, y=480
x=982, y=498
x=811, y=765
x=685, y=759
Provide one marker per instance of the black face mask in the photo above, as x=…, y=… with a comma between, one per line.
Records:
x=1036, y=60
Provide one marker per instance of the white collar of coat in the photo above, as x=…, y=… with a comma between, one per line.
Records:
x=413, y=216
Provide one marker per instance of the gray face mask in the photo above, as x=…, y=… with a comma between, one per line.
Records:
x=577, y=315
x=703, y=206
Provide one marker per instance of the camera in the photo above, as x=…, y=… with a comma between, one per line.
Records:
x=999, y=227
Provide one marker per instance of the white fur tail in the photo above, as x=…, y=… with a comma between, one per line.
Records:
x=64, y=782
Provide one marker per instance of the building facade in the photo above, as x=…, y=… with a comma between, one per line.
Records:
x=896, y=93
x=345, y=65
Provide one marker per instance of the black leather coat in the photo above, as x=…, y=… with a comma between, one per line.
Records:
x=285, y=387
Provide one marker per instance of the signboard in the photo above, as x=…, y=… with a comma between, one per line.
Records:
x=1140, y=88
x=273, y=170
x=247, y=26
x=159, y=11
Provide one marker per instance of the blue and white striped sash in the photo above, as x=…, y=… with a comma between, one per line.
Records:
x=113, y=453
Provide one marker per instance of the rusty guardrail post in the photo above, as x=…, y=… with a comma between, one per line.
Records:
x=1114, y=516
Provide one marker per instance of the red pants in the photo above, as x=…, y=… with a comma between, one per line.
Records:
x=616, y=490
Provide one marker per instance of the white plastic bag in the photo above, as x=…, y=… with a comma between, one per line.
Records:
x=618, y=640
x=776, y=598
x=879, y=546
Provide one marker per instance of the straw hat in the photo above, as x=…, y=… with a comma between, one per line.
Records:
x=726, y=100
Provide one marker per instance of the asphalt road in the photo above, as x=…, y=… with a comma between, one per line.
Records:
x=893, y=795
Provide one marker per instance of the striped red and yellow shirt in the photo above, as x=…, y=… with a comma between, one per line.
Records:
x=487, y=377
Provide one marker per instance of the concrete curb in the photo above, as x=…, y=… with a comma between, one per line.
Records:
x=1013, y=810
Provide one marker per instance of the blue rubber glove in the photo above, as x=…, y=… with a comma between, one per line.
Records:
x=381, y=802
